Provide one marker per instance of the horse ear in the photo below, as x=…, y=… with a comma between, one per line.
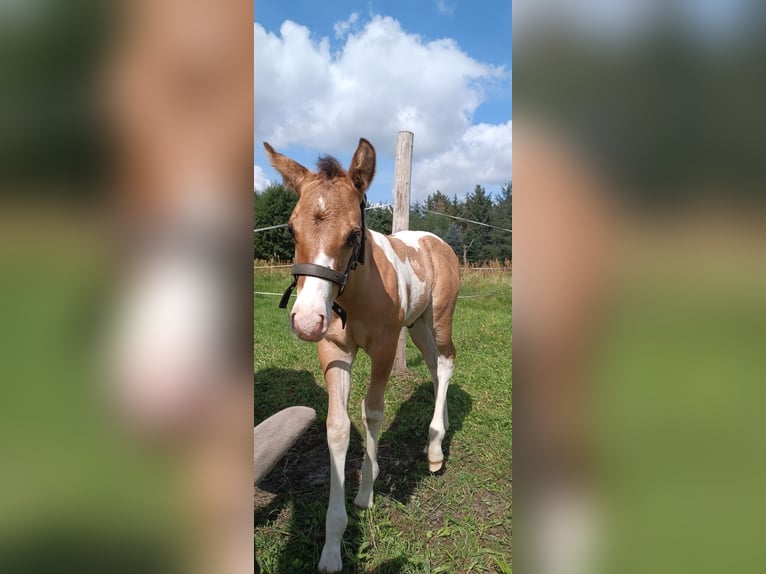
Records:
x=362, y=168
x=292, y=172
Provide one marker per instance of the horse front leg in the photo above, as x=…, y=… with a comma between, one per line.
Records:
x=336, y=364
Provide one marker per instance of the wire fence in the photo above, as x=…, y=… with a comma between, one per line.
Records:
x=259, y=229
x=468, y=220
x=267, y=293
x=502, y=268
x=506, y=267
x=487, y=270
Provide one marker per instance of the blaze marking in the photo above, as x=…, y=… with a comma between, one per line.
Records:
x=315, y=298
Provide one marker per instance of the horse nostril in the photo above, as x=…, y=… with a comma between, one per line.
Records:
x=292, y=320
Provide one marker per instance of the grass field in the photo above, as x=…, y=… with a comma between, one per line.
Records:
x=458, y=520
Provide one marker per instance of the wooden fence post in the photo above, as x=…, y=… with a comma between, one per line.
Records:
x=402, y=182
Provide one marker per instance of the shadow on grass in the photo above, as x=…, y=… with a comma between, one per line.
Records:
x=403, y=463
x=301, y=479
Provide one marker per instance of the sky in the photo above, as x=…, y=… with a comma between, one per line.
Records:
x=328, y=73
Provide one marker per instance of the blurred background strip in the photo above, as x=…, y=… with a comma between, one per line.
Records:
x=639, y=286
x=125, y=295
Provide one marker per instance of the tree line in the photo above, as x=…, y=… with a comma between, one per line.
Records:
x=450, y=219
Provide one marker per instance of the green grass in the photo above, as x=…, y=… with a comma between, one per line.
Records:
x=678, y=419
x=458, y=520
x=75, y=495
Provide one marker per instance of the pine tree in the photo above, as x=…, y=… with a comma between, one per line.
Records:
x=380, y=219
x=273, y=206
x=454, y=237
x=502, y=216
x=478, y=207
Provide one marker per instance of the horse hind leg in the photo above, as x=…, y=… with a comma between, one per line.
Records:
x=441, y=362
x=421, y=335
x=373, y=421
x=372, y=416
x=439, y=423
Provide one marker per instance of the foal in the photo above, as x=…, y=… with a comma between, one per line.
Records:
x=358, y=288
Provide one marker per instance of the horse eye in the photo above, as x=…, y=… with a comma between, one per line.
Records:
x=353, y=238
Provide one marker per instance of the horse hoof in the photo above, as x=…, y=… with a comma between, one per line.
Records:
x=330, y=560
x=435, y=466
x=363, y=502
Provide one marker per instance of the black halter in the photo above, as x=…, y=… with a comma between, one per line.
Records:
x=322, y=272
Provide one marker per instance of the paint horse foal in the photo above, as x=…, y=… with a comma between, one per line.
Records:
x=409, y=278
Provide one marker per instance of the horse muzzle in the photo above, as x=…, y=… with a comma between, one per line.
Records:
x=310, y=316
x=309, y=326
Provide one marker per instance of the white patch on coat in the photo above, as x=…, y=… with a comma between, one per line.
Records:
x=413, y=238
x=411, y=289
x=383, y=242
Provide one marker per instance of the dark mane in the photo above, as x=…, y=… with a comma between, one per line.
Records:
x=329, y=167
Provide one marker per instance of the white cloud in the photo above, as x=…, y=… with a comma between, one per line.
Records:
x=382, y=80
x=445, y=8
x=342, y=28
x=260, y=181
x=481, y=156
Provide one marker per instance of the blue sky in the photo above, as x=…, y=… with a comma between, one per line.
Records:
x=343, y=70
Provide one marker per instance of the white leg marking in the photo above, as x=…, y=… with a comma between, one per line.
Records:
x=423, y=338
x=338, y=432
x=439, y=423
x=567, y=524
x=165, y=350
x=373, y=420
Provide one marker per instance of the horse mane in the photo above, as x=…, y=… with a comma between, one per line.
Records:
x=329, y=167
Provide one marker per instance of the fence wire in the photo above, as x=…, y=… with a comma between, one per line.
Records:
x=459, y=296
x=424, y=210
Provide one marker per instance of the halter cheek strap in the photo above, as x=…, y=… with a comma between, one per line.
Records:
x=322, y=272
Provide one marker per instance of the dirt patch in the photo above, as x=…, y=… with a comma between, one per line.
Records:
x=305, y=469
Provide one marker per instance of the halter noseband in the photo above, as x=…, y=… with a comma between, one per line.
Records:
x=322, y=272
